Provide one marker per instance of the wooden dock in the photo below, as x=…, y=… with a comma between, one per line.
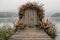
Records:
x=30, y=34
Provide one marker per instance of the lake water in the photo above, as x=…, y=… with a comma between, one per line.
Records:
x=8, y=21
x=58, y=30
x=11, y=20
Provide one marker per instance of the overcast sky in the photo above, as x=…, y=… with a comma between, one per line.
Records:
x=12, y=5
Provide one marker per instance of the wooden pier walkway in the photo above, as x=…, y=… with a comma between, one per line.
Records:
x=30, y=34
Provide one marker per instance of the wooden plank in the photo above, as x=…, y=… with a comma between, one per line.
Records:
x=30, y=34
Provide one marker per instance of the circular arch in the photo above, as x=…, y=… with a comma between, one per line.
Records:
x=39, y=9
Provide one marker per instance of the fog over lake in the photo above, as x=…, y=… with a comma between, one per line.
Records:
x=9, y=11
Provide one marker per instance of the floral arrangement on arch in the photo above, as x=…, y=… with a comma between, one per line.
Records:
x=47, y=26
x=39, y=9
